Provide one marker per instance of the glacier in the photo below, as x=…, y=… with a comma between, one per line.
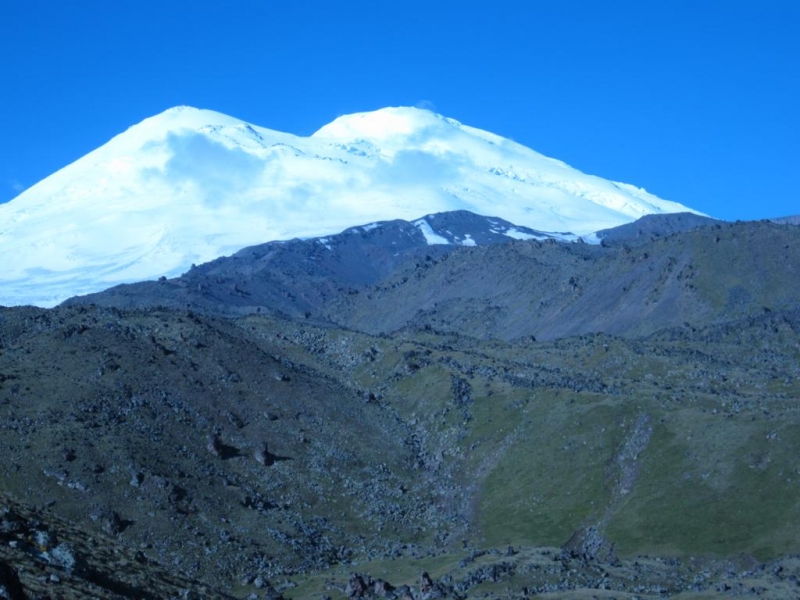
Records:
x=189, y=185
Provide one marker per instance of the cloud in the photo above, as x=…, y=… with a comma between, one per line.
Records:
x=215, y=170
x=416, y=166
x=426, y=105
x=14, y=189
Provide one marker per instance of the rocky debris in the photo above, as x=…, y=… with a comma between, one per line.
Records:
x=44, y=540
x=110, y=521
x=357, y=587
x=11, y=524
x=214, y=445
x=425, y=583
x=589, y=545
x=362, y=585
x=404, y=592
x=381, y=588
x=628, y=457
x=462, y=392
x=430, y=589
x=533, y=572
x=49, y=554
x=270, y=593
x=263, y=456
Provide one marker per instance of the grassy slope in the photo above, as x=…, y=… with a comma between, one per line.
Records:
x=536, y=453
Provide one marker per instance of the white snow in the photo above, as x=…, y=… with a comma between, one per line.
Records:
x=564, y=237
x=430, y=235
x=189, y=185
x=521, y=235
x=592, y=239
x=468, y=241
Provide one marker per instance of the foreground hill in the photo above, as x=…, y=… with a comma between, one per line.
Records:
x=259, y=447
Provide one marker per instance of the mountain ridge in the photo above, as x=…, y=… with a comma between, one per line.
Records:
x=659, y=272
x=301, y=275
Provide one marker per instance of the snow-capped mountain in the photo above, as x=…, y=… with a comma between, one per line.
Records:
x=189, y=185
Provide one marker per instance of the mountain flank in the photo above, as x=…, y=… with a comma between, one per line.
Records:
x=662, y=271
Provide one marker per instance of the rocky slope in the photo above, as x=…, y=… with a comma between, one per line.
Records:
x=270, y=450
x=55, y=558
x=552, y=290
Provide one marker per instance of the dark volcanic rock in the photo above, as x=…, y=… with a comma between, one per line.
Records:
x=650, y=227
x=589, y=544
x=10, y=586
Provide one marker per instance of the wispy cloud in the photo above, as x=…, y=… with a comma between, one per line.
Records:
x=216, y=172
x=416, y=165
x=426, y=105
x=12, y=190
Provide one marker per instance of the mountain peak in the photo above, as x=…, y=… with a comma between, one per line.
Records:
x=185, y=112
x=390, y=122
x=179, y=118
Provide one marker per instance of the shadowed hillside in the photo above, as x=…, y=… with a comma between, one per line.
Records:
x=659, y=272
x=552, y=290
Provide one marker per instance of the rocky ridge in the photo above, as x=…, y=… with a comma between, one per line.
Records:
x=662, y=271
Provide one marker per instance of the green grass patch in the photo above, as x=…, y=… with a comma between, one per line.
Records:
x=688, y=499
x=553, y=478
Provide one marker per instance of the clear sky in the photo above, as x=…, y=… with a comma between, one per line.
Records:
x=696, y=101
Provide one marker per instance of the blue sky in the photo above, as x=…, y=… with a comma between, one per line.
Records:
x=695, y=101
